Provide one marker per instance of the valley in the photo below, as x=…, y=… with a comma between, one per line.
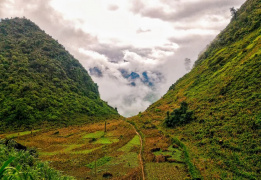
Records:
x=54, y=125
x=87, y=151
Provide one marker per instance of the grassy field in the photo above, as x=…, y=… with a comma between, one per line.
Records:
x=87, y=151
x=163, y=158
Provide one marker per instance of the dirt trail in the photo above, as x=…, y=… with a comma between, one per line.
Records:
x=140, y=154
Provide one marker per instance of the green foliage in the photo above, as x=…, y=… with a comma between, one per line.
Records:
x=179, y=116
x=223, y=90
x=132, y=143
x=194, y=172
x=21, y=165
x=99, y=162
x=40, y=81
x=4, y=166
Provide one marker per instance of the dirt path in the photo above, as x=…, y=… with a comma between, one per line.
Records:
x=140, y=154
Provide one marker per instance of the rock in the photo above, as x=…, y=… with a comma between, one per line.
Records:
x=16, y=145
x=57, y=132
x=155, y=149
x=107, y=175
x=175, y=146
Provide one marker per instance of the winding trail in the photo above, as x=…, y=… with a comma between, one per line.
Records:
x=140, y=154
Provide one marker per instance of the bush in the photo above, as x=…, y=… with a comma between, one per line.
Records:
x=179, y=116
x=24, y=165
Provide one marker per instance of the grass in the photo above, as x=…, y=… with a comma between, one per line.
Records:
x=14, y=135
x=99, y=137
x=97, y=134
x=106, y=140
x=86, y=151
x=127, y=160
x=175, y=153
x=194, y=172
x=128, y=147
x=165, y=171
x=23, y=166
x=74, y=147
x=99, y=162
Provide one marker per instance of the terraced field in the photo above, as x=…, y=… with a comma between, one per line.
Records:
x=87, y=151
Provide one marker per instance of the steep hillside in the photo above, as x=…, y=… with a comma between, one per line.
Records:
x=224, y=91
x=40, y=81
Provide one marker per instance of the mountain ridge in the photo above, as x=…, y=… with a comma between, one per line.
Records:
x=223, y=90
x=41, y=81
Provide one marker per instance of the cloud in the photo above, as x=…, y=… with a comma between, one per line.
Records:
x=187, y=10
x=140, y=30
x=113, y=7
x=134, y=50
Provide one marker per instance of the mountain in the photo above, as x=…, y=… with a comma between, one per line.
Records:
x=224, y=91
x=41, y=82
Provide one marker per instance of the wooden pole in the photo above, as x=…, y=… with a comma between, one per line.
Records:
x=95, y=168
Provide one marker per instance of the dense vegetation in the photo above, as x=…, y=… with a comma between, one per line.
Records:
x=24, y=165
x=179, y=116
x=223, y=90
x=40, y=81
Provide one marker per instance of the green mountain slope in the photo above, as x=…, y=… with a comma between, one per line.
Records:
x=224, y=91
x=40, y=81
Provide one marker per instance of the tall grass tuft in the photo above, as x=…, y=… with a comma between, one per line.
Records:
x=21, y=165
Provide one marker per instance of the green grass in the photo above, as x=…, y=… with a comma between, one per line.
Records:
x=175, y=153
x=106, y=140
x=86, y=151
x=13, y=135
x=25, y=166
x=194, y=172
x=165, y=170
x=100, y=137
x=69, y=149
x=100, y=162
x=129, y=160
x=132, y=143
x=97, y=134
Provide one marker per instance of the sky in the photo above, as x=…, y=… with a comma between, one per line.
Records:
x=133, y=49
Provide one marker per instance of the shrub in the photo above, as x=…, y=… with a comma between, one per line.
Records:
x=179, y=116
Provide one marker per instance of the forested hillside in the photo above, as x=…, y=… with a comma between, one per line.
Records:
x=41, y=82
x=223, y=91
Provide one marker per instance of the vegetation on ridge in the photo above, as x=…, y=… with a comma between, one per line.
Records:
x=179, y=116
x=223, y=90
x=40, y=81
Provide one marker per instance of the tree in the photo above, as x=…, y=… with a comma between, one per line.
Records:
x=233, y=12
x=187, y=64
x=179, y=116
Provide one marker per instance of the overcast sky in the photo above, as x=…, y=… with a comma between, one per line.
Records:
x=113, y=38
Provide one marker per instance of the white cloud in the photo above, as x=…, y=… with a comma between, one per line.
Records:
x=149, y=38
